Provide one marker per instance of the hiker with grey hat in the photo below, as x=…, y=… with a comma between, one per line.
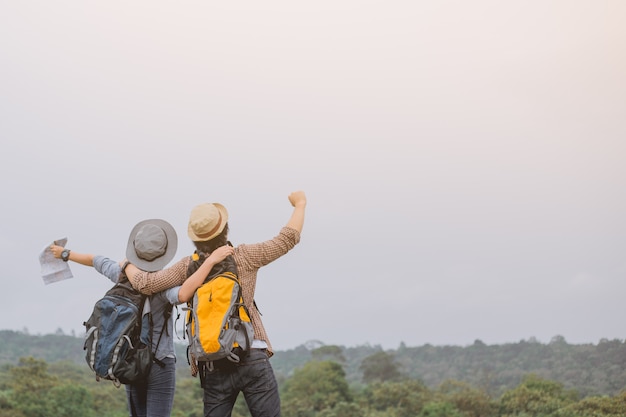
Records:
x=151, y=246
x=253, y=376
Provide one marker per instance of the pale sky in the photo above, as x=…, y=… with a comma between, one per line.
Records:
x=464, y=162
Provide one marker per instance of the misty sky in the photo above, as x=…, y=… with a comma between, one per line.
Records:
x=464, y=162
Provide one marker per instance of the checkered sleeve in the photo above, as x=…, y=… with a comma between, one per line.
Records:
x=255, y=256
x=154, y=282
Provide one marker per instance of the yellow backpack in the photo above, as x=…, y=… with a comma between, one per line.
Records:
x=217, y=322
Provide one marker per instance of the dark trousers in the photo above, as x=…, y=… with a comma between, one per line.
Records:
x=155, y=396
x=253, y=376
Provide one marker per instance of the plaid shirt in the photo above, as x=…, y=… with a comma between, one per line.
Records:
x=248, y=257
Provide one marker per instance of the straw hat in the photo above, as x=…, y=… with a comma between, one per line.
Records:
x=206, y=221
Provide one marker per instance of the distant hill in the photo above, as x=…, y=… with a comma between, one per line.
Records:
x=598, y=369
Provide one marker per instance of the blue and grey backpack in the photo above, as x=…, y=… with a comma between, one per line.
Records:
x=118, y=338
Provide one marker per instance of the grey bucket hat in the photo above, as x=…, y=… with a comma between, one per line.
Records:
x=152, y=244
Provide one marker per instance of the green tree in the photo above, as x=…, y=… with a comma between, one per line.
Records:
x=70, y=400
x=330, y=353
x=315, y=387
x=107, y=400
x=7, y=406
x=399, y=399
x=380, y=367
x=439, y=409
x=35, y=392
x=188, y=398
x=535, y=397
x=471, y=401
x=341, y=409
x=596, y=407
x=30, y=384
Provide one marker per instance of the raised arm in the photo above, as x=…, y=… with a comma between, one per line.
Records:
x=298, y=201
x=80, y=258
x=105, y=266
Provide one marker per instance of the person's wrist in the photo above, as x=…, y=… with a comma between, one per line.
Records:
x=65, y=255
x=125, y=265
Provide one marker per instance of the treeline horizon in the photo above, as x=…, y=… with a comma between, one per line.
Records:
x=590, y=369
x=47, y=375
x=312, y=343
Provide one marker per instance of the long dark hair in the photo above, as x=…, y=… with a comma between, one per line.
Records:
x=209, y=246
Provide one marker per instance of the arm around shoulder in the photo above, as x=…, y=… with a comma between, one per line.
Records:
x=153, y=282
x=186, y=291
x=139, y=279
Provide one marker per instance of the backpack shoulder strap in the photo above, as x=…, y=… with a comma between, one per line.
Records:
x=167, y=313
x=226, y=265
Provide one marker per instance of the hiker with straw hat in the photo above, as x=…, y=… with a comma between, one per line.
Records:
x=254, y=376
x=151, y=246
